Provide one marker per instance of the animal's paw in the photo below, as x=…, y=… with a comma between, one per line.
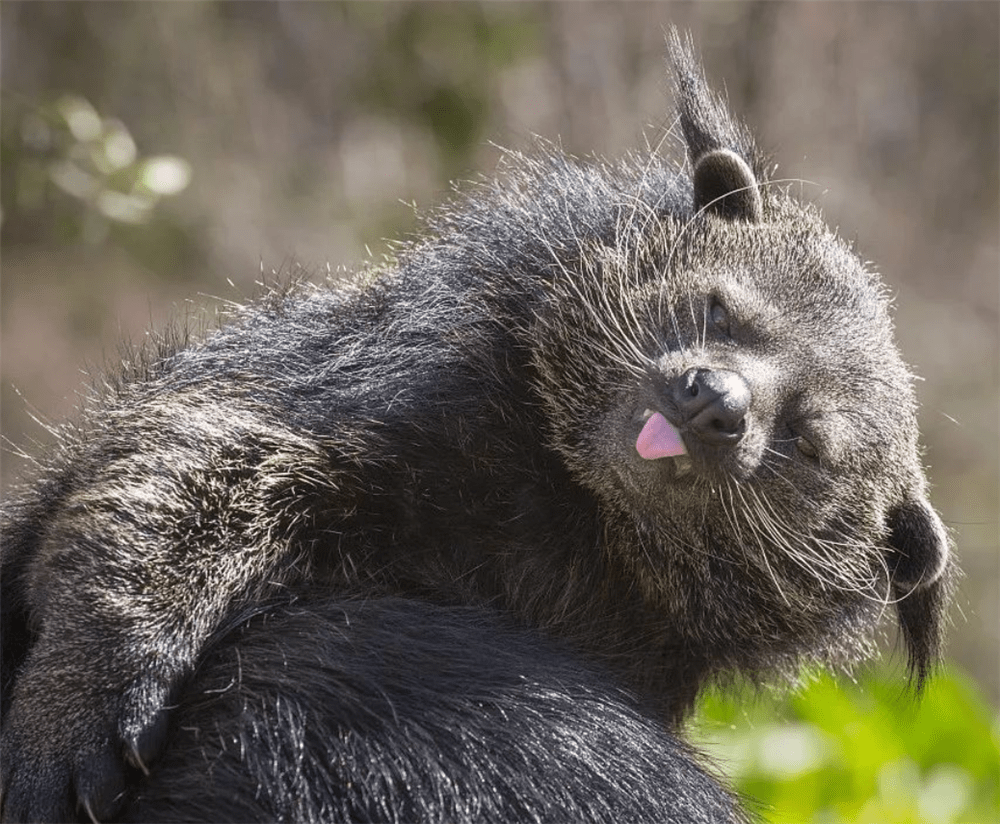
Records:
x=68, y=749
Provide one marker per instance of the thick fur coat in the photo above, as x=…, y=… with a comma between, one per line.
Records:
x=653, y=412
x=395, y=710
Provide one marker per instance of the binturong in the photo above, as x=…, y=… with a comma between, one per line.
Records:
x=651, y=409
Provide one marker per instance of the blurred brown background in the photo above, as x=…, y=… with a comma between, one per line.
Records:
x=304, y=129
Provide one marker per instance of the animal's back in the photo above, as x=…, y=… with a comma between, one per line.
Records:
x=394, y=710
x=653, y=411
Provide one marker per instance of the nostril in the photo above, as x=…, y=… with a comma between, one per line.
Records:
x=713, y=404
x=718, y=424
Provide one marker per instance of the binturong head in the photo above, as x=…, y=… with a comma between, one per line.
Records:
x=729, y=388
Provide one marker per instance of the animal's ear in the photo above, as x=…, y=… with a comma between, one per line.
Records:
x=918, y=545
x=725, y=184
x=922, y=578
x=728, y=168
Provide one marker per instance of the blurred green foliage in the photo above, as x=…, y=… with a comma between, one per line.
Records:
x=71, y=175
x=864, y=753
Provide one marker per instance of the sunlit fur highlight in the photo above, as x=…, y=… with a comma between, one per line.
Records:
x=457, y=426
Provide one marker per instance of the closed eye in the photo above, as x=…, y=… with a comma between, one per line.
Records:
x=806, y=447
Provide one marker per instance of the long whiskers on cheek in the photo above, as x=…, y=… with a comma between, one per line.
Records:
x=845, y=565
x=736, y=516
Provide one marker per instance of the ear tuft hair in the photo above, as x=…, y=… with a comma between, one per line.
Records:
x=714, y=136
x=922, y=579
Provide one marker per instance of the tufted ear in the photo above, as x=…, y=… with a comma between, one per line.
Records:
x=728, y=167
x=725, y=184
x=918, y=546
x=922, y=575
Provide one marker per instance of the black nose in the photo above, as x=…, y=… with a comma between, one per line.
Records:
x=713, y=404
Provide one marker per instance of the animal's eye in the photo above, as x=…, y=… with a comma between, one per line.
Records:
x=718, y=315
x=806, y=447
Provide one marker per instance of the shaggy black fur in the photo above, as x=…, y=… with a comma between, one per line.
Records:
x=400, y=711
x=461, y=427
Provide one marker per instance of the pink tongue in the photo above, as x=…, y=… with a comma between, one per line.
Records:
x=659, y=439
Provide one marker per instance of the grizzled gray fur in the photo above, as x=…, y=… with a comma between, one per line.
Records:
x=653, y=412
x=404, y=711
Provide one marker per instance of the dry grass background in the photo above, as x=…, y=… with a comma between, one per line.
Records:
x=309, y=126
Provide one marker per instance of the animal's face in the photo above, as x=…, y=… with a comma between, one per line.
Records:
x=771, y=355
x=728, y=386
